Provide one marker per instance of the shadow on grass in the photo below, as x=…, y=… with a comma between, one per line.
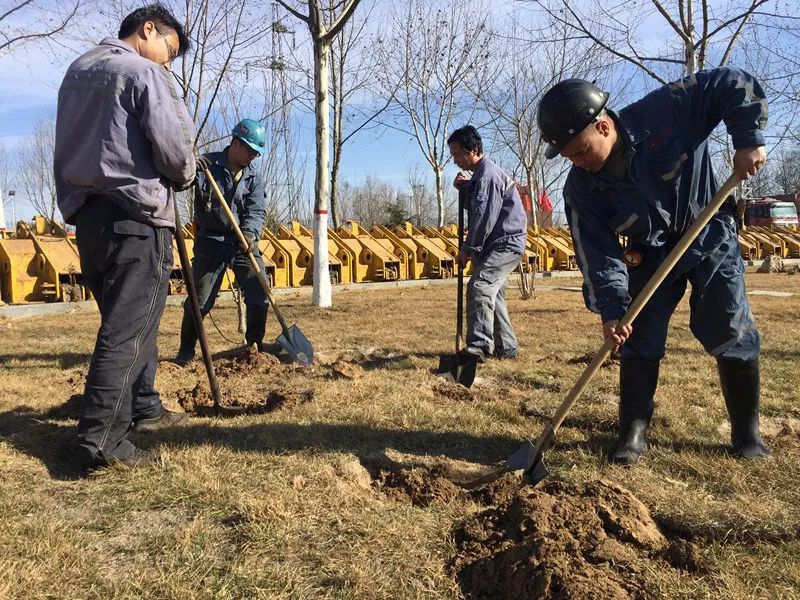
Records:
x=32, y=433
x=64, y=360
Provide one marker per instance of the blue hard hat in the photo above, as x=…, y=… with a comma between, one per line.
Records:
x=252, y=133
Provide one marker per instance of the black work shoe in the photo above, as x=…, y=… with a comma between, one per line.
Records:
x=633, y=446
x=473, y=353
x=740, y=382
x=188, y=340
x=638, y=380
x=505, y=355
x=138, y=458
x=166, y=419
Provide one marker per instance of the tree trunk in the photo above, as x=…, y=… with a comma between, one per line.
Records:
x=533, y=193
x=438, y=173
x=321, y=295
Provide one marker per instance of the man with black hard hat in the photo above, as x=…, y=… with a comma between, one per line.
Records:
x=645, y=173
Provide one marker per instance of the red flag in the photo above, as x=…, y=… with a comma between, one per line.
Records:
x=522, y=190
x=544, y=202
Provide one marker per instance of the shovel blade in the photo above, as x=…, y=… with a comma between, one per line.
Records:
x=457, y=368
x=296, y=345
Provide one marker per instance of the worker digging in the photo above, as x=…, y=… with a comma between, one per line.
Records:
x=645, y=172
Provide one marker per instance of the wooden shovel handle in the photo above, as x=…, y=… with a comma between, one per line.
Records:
x=262, y=278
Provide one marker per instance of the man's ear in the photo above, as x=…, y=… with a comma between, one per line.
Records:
x=603, y=127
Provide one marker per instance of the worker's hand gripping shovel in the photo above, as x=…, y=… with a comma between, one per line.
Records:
x=459, y=367
x=291, y=339
x=529, y=457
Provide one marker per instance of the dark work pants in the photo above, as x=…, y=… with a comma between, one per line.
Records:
x=211, y=258
x=126, y=264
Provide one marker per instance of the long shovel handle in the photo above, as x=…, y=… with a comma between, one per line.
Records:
x=460, y=302
x=194, y=301
x=262, y=278
x=635, y=308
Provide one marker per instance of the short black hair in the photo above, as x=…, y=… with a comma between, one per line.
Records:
x=468, y=138
x=158, y=14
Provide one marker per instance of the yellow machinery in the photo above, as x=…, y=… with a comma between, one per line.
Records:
x=790, y=244
x=559, y=249
x=425, y=260
x=449, y=233
x=345, y=255
x=748, y=247
x=299, y=243
x=40, y=266
x=373, y=261
x=537, y=247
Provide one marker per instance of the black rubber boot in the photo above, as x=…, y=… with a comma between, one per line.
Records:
x=188, y=340
x=256, y=325
x=740, y=386
x=637, y=386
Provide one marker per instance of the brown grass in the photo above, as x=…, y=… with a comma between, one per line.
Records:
x=277, y=505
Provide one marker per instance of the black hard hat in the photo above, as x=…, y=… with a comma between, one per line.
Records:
x=566, y=109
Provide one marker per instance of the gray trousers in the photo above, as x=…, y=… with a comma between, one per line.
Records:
x=488, y=325
x=126, y=265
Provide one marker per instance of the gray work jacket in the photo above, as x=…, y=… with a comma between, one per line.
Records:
x=122, y=131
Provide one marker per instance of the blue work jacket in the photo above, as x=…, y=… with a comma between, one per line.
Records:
x=669, y=181
x=497, y=221
x=246, y=198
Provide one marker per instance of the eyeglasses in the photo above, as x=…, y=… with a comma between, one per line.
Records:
x=173, y=53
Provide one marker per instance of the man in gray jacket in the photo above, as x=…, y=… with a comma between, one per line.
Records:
x=123, y=145
x=495, y=243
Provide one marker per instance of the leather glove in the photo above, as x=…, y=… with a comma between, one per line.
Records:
x=202, y=163
x=252, y=243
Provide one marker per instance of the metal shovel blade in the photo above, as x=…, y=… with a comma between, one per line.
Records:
x=524, y=459
x=296, y=345
x=457, y=368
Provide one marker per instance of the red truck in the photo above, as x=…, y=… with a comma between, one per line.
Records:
x=769, y=212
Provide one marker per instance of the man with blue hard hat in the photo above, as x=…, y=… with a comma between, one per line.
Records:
x=216, y=246
x=645, y=173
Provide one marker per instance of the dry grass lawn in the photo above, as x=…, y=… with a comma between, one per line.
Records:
x=277, y=505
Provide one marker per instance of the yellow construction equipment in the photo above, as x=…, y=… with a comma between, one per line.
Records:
x=18, y=271
x=299, y=242
x=790, y=246
x=425, y=259
x=56, y=266
x=374, y=262
x=450, y=233
x=559, y=249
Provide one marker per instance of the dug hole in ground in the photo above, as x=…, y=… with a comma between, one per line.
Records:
x=345, y=479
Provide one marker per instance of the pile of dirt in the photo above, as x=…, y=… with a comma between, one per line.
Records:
x=248, y=361
x=287, y=399
x=562, y=540
x=455, y=392
x=781, y=433
x=419, y=486
x=192, y=400
x=342, y=369
x=585, y=359
x=772, y=264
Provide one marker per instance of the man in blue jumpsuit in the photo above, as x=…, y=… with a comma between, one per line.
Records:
x=495, y=243
x=645, y=173
x=216, y=245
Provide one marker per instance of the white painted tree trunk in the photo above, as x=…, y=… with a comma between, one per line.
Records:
x=322, y=294
x=439, y=176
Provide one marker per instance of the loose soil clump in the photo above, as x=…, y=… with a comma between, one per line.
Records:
x=455, y=392
x=419, y=486
x=562, y=540
x=346, y=370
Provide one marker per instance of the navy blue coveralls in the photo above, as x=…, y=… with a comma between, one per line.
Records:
x=216, y=246
x=669, y=182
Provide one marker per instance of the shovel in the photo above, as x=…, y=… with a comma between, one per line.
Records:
x=218, y=409
x=459, y=368
x=529, y=457
x=292, y=339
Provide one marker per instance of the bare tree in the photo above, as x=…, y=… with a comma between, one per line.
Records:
x=431, y=57
x=701, y=34
x=25, y=21
x=511, y=98
x=354, y=106
x=322, y=35
x=35, y=168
